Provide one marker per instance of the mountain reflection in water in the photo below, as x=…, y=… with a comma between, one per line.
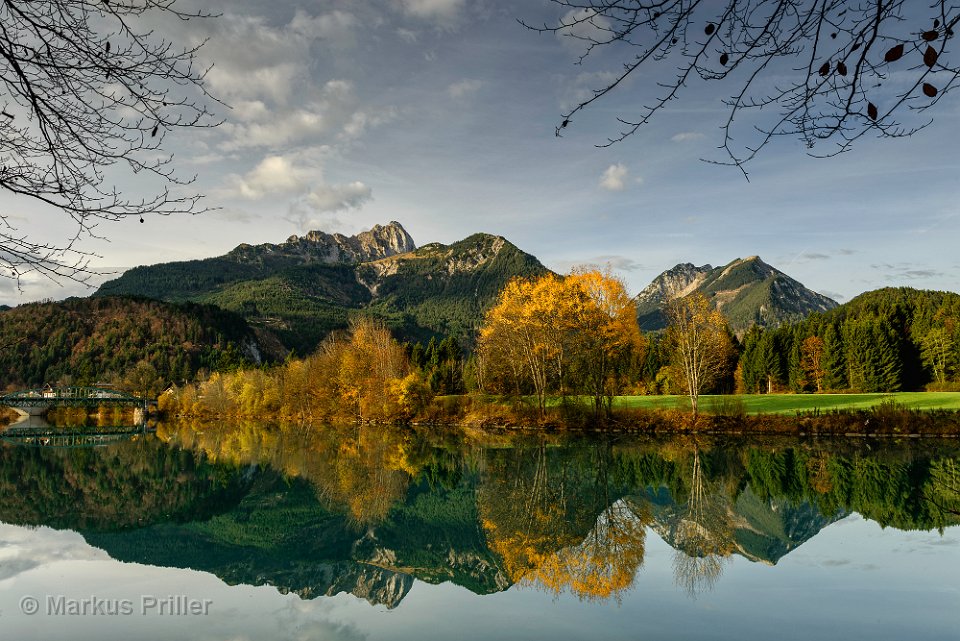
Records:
x=367, y=510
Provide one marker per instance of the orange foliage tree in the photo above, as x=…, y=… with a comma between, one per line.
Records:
x=565, y=335
x=812, y=361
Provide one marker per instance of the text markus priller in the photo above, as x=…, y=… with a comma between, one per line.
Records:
x=145, y=605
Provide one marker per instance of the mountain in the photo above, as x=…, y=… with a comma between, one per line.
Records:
x=280, y=534
x=748, y=291
x=89, y=340
x=306, y=287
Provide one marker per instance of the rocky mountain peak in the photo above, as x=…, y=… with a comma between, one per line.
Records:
x=379, y=242
x=673, y=283
x=385, y=240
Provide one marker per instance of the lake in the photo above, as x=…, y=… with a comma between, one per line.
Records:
x=244, y=531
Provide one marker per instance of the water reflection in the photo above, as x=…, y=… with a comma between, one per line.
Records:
x=702, y=533
x=367, y=510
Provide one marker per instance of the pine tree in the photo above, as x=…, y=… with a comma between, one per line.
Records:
x=749, y=362
x=834, y=359
x=798, y=380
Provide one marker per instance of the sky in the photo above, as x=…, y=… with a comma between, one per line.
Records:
x=440, y=114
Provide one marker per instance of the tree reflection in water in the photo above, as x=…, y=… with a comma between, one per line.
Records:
x=362, y=471
x=560, y=525
x=703, y=536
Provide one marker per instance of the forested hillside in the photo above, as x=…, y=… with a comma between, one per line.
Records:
x=305, y=288
x=89, y=340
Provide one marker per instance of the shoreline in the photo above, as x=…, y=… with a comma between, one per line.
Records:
x=888, y=421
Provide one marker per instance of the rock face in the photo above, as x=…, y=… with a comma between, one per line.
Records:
x=748, y=291
x=377, y=586
x=673, y=283
x=320, y=247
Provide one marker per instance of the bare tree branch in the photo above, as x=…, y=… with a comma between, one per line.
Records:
x=816, y=70
x=87, y=91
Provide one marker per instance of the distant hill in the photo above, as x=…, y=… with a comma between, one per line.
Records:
x=905, y=303
x=748, y=291
x=310, y=285
x=91, y=340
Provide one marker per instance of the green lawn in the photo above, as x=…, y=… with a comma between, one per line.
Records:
x=790, y=403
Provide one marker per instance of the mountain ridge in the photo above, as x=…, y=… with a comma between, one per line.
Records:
x=310, y=285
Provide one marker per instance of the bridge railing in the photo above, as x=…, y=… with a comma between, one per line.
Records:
x=72, y=395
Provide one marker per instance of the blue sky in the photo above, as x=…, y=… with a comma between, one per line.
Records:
x=440, y=114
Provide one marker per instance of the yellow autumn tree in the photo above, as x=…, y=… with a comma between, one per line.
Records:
x=520, y=342
x=605, y=334
x=812, y=360
x=605, y=563
x=554, y=532
x=559, y=335
x=364, y=375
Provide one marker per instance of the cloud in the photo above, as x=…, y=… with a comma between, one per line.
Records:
x=301, y=177
x=464, y=88
x=918, y=274
x=266, y=66
x=23, y=549
x=407, y=35
x=809, y=256
x=273, y=175
x=272, y=62
x=443, y=11
x=331, y=198
x=336, y=28
x=614, y=178
x=267, y=74
x=234, y=215
x=317, y=208
x=361, y=121
x=584, y=86
x=686, y=136
x=334, y=112
x=906, y=271
x=617, y=261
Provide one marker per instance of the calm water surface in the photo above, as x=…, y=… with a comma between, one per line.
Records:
x=248, y=532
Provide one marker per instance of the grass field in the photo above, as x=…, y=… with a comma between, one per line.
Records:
x=791, y=403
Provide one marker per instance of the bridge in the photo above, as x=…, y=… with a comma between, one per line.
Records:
x=37, y=401
x=49, y=436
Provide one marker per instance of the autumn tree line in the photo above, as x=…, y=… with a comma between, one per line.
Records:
x=573, y=341
x=573, y=336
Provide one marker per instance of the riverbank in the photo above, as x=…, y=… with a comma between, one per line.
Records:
x=793, y=403
x=722, y=415
x=903, y=415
